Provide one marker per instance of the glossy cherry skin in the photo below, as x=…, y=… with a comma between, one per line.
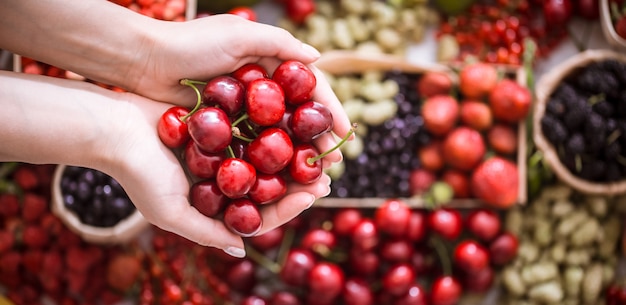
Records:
x=310, y=120
x=503, y=248
x=271, y=151
x=200, y=164
x=300, y=169
x=357, y=292
x=207, y=197
x=318, y=240
x=479, y=282
x=249, y=72
x=365, y=235
x=297, y=81
x=244, y=12
x=445, y=290
x=364, y=263
x=265, y=102
x=345, y=220
x=242, y=217
x=392, y=217
x=298, y=263
x=225, y=92
x=417, y=227
x=210, y=128
x=267, y=188
x=241, y=276
x=268, y=240
x=416, y=295
x=235, y=177
x=484, y=224
x=171, y=129
x=445, y=222
x=284, y=298
x=470, y=256
x=326, y=280
x=396, y=250
x=398, y=279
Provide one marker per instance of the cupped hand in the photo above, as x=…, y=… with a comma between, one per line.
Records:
x=155, y=181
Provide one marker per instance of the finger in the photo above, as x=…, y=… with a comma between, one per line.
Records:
x=321, y=188
x=264, y=40
x=206, y=231
x=325, y=95
x=326, y=142
x=279, y=213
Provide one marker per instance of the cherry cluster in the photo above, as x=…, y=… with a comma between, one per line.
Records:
x=248, y=136
x=40, y=258
x=388, y=255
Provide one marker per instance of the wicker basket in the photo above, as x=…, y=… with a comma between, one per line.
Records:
x=616, y=41
x=545, y=86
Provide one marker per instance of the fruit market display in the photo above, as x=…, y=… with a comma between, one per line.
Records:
x=584, y=120
x=569, y=245
x=371, y=25
x=494, y=31
x=456, y=140
x=249, y=135
x=424, y=128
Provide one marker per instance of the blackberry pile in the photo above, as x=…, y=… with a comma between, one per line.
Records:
x=96, y=198
x=382, y=170
x=585, y=120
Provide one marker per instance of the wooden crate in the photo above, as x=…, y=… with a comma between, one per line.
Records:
x=350, y=62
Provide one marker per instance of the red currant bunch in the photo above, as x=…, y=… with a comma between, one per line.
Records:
x=249, y=135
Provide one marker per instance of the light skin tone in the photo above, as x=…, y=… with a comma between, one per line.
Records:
x=57, y=121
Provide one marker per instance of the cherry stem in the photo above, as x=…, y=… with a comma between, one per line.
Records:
x=191, y=83
x=263, y=260
x=240, y=119
x=230, y=152
x=312, y=160
x=442, y=252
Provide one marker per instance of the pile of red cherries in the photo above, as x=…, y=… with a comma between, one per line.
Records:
x=249, y=135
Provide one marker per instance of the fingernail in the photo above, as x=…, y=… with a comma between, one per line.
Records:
x=312, y=200
x=236, y=252
x=311, y=50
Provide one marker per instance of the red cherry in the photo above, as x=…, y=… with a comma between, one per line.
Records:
x=445, y=222
x=284, y=298
x=484, y=224
x=392, y=217
x=207, y=198
x=318, y=240
x=396, y=250
x=200, y=164
x=363, y=263
x=235, y=177
x=249, y=72
x=242, y=217
x=300, y=169
x=253, y=300
x=267, y=188
x=171, y=129
x=416, y=228
x=226, y=92
x=326, y=280
x=479, y=282
x=310, y=120
x=357, y=291
x=265, y=102
x=299, y=10
x=365, y=235
x=398, y=279
x=445, y=290
x=297, y=81
x=416, y=295
x=557, y=12
x=271, y=151
x=298, y=263
x=503, y=248
x=210, y=128
x=268, y=240
x=345, y=220
x=470, y=256
x=244, y=12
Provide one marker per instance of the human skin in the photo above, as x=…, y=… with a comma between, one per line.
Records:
x=57, y=121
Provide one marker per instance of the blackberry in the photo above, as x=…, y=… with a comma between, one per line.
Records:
x=595, y=126
x=556, y=107
x=553, y=129
x=612, y=150
x=575, y=144
x=603, y=108
x=593, y=170
x=96, y=198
